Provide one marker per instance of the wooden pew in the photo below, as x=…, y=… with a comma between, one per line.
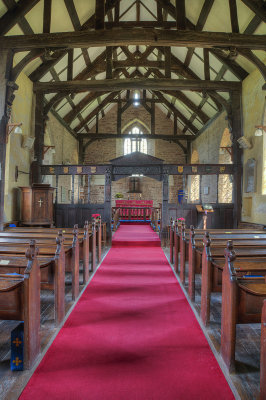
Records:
x=48, y=250
x=20, y=300
x=52, y=274
x=242, y=301
x=46, y=235
x=182, y=241
x=195, y=248
x=211, y=268
x=263, y=354
x=88, y=238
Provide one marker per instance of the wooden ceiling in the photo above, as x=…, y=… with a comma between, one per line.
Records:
x=147, y=40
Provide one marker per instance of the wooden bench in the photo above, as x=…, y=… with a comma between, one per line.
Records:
x=48, y=249
x=20, y=300
x=179, y=245
x=88, y=237
x=242, y=301
x=254, y=260
x=195, y=248
x=52, y=272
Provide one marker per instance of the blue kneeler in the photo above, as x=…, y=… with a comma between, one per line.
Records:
x=17, y=346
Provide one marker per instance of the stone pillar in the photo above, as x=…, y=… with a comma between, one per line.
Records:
x=108, y=204
x=7, y=88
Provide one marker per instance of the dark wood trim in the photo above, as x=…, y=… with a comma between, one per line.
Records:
x=39, y=133
x=134, y=36
x=47, y=8
x=113, y=85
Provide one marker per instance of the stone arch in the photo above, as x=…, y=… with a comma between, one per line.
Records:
x=225, y=184
x=138, y=123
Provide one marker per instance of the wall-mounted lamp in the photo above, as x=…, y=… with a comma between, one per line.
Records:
x=16, y=127
x=259, y=130
x=227, y=149
x=46, y=148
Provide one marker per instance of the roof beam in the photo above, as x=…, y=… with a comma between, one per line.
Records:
x=12, y=16
x=112, y=85
x=134, y=36
x=99, y=136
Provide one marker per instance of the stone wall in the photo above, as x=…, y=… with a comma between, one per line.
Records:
x=66, y=147
x=207, y=146
x=254, y=204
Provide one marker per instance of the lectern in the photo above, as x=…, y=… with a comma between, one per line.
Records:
x=37, y=205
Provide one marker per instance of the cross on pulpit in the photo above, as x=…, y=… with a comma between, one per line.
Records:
x=40, y=202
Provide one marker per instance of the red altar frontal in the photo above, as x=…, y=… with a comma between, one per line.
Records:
x=134, y=209
x=134, y=203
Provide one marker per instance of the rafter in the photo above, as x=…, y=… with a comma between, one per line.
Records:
x=45, y=66
x=104, y=103
x=176, y=112
x=12, y=16
x=71, y=115
x=205, y=11
x=259, y=10
x=247, y=53
x=47, y=8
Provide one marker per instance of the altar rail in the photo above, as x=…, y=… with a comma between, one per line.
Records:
x=135, y=213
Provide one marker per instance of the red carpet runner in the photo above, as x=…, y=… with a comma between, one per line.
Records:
x=132, y=336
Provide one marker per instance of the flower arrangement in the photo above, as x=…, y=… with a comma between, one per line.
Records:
x=119, y=196
x=96, y=217
x=181, y=219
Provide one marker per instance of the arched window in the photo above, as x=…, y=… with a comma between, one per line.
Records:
x=136, y=143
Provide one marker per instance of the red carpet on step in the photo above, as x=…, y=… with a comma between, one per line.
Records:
x=131, y=336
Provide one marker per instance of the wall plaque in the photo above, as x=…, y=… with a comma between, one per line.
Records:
x=65, y=170
x=79, y=170
x=250, y=176
x=93, y=170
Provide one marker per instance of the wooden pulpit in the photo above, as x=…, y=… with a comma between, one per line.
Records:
x=37, y=205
